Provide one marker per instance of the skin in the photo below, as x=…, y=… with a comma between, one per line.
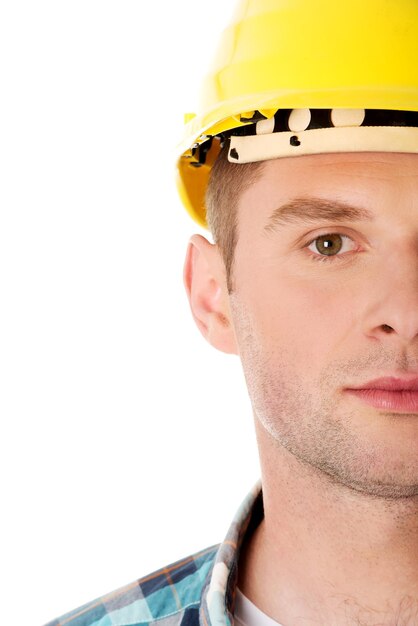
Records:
x=339, y=541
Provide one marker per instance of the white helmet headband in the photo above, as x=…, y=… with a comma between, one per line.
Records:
x=296, y=132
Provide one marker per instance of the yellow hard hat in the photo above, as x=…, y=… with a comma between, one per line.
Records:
x=312, y=69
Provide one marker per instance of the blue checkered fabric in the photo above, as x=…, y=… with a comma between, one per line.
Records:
x=196, y=591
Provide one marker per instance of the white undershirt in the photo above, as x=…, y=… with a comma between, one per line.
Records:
x=247, y=614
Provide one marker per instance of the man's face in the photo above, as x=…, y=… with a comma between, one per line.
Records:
x=310, y=325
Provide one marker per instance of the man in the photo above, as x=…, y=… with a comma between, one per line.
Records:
x=309, y=132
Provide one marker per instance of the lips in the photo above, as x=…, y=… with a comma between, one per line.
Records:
x=391, y=383
x=390, y=393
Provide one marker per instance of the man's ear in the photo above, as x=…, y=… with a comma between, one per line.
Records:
x=205, y=282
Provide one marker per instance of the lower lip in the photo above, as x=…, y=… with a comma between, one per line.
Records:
x=402, y=400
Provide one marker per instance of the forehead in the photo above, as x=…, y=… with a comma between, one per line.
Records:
x=370, y=180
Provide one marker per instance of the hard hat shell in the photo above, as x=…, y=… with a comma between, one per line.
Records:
x=299, y=54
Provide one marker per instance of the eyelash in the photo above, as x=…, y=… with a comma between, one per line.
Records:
x=324, y=258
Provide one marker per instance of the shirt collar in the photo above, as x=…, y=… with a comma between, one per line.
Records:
x=218, y=593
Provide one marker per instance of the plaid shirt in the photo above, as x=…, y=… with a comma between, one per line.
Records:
x=196, y=591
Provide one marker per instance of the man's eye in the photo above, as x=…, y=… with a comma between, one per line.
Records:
x=329, y=245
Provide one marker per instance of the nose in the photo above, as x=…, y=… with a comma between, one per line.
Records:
x=393, y=298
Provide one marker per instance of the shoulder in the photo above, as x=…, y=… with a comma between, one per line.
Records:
x=172, y=594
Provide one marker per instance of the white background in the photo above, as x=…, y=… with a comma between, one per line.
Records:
x=126, y=440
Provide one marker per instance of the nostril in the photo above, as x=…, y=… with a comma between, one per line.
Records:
x=387, y=329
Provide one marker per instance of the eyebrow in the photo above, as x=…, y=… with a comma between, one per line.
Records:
x=311, y=210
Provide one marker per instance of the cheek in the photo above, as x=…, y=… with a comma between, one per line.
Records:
x=309, y=320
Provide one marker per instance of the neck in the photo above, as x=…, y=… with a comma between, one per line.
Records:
x=326, y=554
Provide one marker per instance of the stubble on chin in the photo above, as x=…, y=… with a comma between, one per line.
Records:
x=310, y=420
